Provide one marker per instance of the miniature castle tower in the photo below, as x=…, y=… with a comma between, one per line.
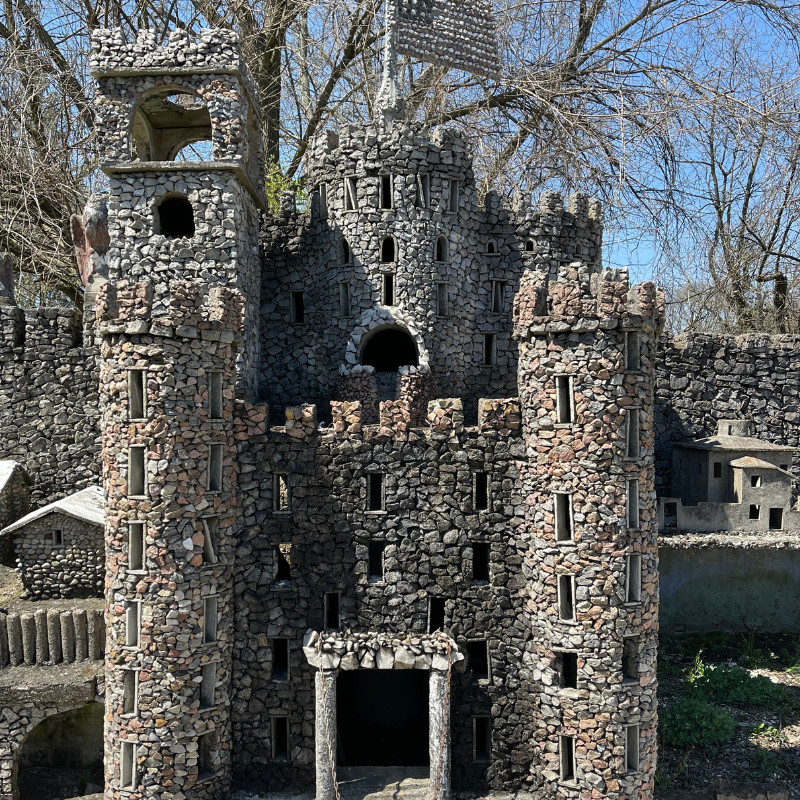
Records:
x=586, y=350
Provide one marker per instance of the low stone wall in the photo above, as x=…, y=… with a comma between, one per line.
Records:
x=51, y=637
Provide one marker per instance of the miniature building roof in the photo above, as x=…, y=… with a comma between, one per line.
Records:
x=750, y=462
x=86, y=505
x=7, y=469
x=720, y=442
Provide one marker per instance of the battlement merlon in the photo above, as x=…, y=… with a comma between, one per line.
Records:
x=193, y=311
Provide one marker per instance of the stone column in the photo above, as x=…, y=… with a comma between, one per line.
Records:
x=439, y=727
x=326, y=734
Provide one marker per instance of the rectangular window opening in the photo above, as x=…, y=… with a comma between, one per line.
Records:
x=215, y=468
x=563, y=513
x=130, y=687
x=376, y=497
x=717, y=469
x=333, y=619
x=215, y=395
x=376, y=558
x=386, y=192
x=298, y=307
x=630, y=658
x=632, y=430
x=632, y=348
x=280, y=659
x=351, y=194
x=498, y=296
x=57, y=537
x=205, y=761
x=565, y=405
x=210, y=619
x=441, y=300
x=323, y=199
x=755, y=511
x=208, y=685
x=127, y=765
x=489, y=349
x=281, y=493
x=670, y=515
x=634, y=579
x=566, y=748
x=775, y=519
x=136, y=472
x=436, y=621
x=478, y=654
x=133, y=623
x=480, y=491
x=280, y=738
x=136, y=401
x=422, y=194
x=632, y=502
x=567, y=668
x=135, y=545
x=344, y=299
x=388, y=298
x=283, y=562
x=755, y=481
x=481, y=737
x=566, y=597
x=454, y=198
x=631, y=748
x=210, y=537
x=481, y=556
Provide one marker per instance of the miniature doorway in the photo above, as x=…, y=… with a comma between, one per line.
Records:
x=386, y=351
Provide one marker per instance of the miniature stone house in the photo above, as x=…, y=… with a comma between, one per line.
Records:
x=731, y=481
x=14, y=501
x=59, y=547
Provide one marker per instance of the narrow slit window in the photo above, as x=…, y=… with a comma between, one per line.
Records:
x=386, y=192
x=442, y=250
x=717, y=469
x=634, y=579
x=351, y=194
x=130, y=690
x=436, y=619
x=489, y=349
x=345, y=253
x=498, y=296
x=210, y=539
x=208, y=685
x=566, y=748
x=57, y=537
x=441, y=299
x=376, y=498
x=481, y=738
x=755, y=511
x=298, y=307
x=567, y=670
x=388, y=298
x=480, y=491
x=478, y=654
x=422, y=193
x=280, y=738
x=135, y=546
x=133, y=623
x=281, y=493
x=136, y=400
x=283, y=564
x=565, y=404
x=280, y=659
x=630, y=658
x=205, y=760
x=215, y=468
x=389, y=250
x=215, y=395
x=481, y=554
x=631, y=748
x=632, y=431
x=210, y=619
x=454, y=198
x=632, y=352
x=632, y=502
x=376, y=553
x=563, y=514
x=127, y=765
x=323, y=199
x=344, y=299
x=136, y=472
x=566, y=598
x=332, y=617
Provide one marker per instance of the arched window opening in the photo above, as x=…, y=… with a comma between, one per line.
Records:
x=529, y=246
x=175, y=217
x=389, y=349
x=171, y=125
x=442, y=249
x=388, y=250
x=63, y=755
x=345, y=254
x=491, y=247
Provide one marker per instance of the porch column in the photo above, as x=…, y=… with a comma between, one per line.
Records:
x=439, y=746
x=325, y=734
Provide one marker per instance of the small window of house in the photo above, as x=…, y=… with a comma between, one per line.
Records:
x=566, y=598
x=454, y=197
x=489, y=349
x=280, y=659
x=205, y=756
x=632, y=501
x=333, y=619
x=566, y=749
x=784, y=467
x=670, y=515
x=480, y=491
x=478, y=654
x=435, y=614
x=566, y=666
x=491, y=247
x=388, y=298
x=630, y=659
x=175, y=217
x=632, y=360
x=375, y=558
x=481, y=557
x=755, y=481
x=529, y=246
x=210, y=539
x=281, y=493
x=632, y=448
x=345, y=253
x=215, y=395
x=633, y=593
x=280, y=738
x=563, y=517
x=136, y=471
x=388, y=250
x=135, y=546
x=127, y=765
x=210, y=619
x=755, y=511
x=57, y=537
x=442, y=250
x=481, y=738
x=631, y=748
x=215, y=468
x=133, y=623
x=776, y=519
x=351, y=194
x=208, y=685
x=136, y=401
x=283, y=564
x=344, y=299
x=422, y=197
x=565, y=402
x=717, y=469
x=498, y=296
x=376, y=496
x=386, y=192
x=298, y=307
x=441, y=300
x=130, y=690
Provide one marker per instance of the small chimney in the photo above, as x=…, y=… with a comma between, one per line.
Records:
x=733, y=427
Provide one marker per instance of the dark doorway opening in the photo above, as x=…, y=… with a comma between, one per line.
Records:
x=63, y=756
x=175, y=217
x=382, y=718
x=390, y=349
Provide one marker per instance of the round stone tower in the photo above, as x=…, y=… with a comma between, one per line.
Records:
x=169, y=473
x=586, y=349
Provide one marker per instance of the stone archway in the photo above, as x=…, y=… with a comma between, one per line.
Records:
x=331, y=652
x=371, y=323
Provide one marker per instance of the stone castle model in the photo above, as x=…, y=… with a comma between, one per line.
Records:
x=386, y=577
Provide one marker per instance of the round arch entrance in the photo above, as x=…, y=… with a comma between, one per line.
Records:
x=389, y=349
